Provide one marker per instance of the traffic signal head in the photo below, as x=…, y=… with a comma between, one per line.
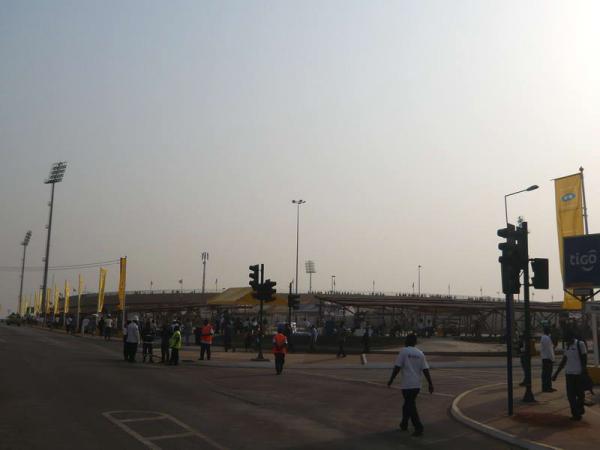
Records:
x=253, y=277
x=511, y=259
x=539, y=266
x=269, y=289
x=294, y=301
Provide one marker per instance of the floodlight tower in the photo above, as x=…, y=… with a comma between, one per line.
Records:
x=297, y=203
x=204, y=259
x=310, y=269
x=25, y=243
x=57, y=173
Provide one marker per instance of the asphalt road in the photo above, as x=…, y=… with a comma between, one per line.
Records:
x=63, y=392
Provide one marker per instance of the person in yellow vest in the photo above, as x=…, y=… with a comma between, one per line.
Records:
x=206, y=338
x=280, y=344
x=175, y=345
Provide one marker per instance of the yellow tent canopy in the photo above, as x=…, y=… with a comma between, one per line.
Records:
x=243, y=297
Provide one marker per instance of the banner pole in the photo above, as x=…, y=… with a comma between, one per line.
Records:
x=592, y=313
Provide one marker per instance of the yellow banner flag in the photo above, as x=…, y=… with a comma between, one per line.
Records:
x=569, y=220
x=67, y=296
x=101, y=285
x=56, y=300
x=48, y=300
x=122, y=284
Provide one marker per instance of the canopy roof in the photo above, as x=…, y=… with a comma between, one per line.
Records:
x=242, y=296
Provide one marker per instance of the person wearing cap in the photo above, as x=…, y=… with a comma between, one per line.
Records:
x=133, y=339
x=280, y=344
x=175, y=346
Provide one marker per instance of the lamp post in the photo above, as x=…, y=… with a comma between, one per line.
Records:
x=57, y=173
x=297, y=203
x=509, y=323
x=419, y=279
x=25, y=243
x=333, y=284
x=204, y=259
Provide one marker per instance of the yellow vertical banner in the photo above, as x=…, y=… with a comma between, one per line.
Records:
x=48, y=300
x=569, y=219
x=122, y=284
x=56, y=301
x=67, y=296
x=101, y=285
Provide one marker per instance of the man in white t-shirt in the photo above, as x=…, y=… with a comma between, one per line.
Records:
x=575, y=360
x=547, y=355
x=413, y=364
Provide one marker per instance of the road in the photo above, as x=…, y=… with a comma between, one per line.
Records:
x=60, y=391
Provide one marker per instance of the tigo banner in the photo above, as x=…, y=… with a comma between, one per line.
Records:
x=67, y=296
x=101, y=285
x=122, y=284
x=569, y=220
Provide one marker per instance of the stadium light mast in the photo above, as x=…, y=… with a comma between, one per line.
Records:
x=25, y=243
x=57, y=173
x=310, y=269
x=297, y=203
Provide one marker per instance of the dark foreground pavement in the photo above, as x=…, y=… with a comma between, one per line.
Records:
x=65, y=392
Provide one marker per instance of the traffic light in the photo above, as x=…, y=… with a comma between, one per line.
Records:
x=254, y=277
x=294, y=301
x=513, y=259
x=268, y=290
x=539, y=266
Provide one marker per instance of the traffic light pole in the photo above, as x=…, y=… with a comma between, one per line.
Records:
x=260, y=356
x=509, y=352
x=528, y=397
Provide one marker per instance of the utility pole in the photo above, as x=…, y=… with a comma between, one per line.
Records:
x=528, y=396
x=298, y=203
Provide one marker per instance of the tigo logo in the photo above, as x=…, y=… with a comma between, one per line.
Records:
x=567, y=197
x=585, y=261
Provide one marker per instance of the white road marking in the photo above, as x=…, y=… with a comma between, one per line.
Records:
x=148, y=440
x=354, y=380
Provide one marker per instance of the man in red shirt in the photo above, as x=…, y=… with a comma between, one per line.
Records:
x=280, y=344
x=206, y=338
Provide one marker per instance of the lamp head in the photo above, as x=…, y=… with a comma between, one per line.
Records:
x=532, y=188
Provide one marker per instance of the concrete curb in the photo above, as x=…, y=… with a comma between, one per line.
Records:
x=491, y=431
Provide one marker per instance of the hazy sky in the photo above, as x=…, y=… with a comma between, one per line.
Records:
x=190, y=127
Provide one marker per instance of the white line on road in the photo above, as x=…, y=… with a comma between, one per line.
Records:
x=147, y=441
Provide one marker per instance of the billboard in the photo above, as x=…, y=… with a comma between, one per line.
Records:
x=581, y=259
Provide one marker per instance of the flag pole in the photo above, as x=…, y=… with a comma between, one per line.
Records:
x=593, y=314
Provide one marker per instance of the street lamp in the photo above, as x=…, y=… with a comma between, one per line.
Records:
x=25, y=243
x=57, y=173
x=297, y=203
x=204, y=259
x=509, y=319
x=530, y=188
x=419, y=280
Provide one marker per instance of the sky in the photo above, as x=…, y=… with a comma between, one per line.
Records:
x=189, y=126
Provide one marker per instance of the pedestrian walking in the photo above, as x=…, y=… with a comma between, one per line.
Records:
x=227, y=335
x=280, y=344
x=289, y=334
x=133, y=339
x=575, y=361
x=148, y=335
x=314, y=334
x=84, y=325
x=125, y=346
x=101, y=326
x=108, y=326
x=206, y=339
x=341, y=338
x=175, y=346
x=547, y=355
x=366, y=340
x=413, y=364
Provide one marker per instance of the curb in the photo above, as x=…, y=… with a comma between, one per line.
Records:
x=457, y=414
